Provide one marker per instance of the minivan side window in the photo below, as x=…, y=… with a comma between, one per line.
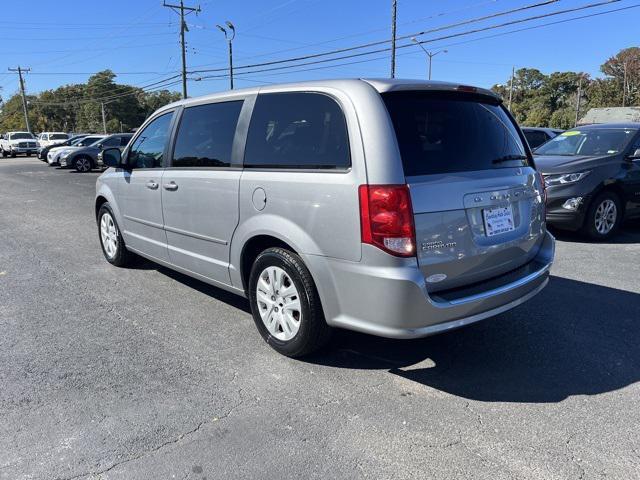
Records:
x=205, y=136
x=148, y=149
x=297, y=130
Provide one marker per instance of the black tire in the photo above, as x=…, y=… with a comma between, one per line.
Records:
x=13, y=154
x=81, y=169
x=313, y=332
x=589, y=227
x=122, y=256
x=4, y=154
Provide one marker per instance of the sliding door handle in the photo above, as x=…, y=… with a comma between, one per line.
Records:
x=170, y=186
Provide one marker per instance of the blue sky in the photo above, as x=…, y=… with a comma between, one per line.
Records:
x=64, y=42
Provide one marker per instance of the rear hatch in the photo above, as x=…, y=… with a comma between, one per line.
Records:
x=477, y=200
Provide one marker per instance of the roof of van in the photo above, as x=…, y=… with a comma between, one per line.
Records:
x=382, y=85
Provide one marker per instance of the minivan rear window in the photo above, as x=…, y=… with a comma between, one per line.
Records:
x=446, y=132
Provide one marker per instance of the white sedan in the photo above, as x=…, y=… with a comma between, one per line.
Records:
x=54, y=155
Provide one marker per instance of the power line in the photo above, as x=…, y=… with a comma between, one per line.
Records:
x=381, y=42
x=324, y=42
x=288, y=67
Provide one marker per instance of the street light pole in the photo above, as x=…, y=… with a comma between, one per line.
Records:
x=229, y=38
x=429, y=54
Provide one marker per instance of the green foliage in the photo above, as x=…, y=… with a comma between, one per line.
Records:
x=73, y=108
x=550, y=100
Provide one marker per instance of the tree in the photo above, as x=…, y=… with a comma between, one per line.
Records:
x=78, y=107
x=626, y=63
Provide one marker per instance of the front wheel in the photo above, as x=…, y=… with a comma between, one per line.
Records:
x=4, y=154
x=603, y=216
x=82, y=164
x=285, y=304
x=111, y=240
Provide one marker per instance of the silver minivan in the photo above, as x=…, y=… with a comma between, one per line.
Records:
x=396, y=208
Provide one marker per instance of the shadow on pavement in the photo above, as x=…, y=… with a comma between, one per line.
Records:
x=574, y=338
x=629, y=233
x=222, y=295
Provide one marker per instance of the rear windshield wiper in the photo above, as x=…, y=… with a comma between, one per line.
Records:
x=507, y=158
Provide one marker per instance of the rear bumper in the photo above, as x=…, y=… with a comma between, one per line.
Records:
x=392, y=300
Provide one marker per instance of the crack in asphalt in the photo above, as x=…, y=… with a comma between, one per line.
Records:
x=173, y=441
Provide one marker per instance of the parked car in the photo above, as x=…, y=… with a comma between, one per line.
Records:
x=85, y=159
x=43, y=151
x=54, y=155
x=592, y=175
x=14, y=143
x=46, y=139
x=536, y=136
x=395, y=208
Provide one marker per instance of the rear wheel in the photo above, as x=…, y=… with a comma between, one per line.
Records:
x=603, y=216
x=4, y=154
x=13, y=154
x=82, y=164
x=111, y=240
x=285, y=304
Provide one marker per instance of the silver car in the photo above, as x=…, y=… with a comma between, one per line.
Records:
x=395, y=208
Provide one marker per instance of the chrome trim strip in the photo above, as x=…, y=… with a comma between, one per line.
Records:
x=195, y=235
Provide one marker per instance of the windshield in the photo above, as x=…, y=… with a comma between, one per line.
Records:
x=593, y=141
x=88, y=141
x=442, y=132
x=21, y=136
x=75, y=141
x=58, y=136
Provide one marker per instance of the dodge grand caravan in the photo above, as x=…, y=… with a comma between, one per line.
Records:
x=396, y=208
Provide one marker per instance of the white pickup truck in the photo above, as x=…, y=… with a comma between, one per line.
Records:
x=13, y=143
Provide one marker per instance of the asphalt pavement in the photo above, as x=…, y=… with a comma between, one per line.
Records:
x=145, y=373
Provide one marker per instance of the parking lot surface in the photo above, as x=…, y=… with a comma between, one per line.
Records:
x=145, y=373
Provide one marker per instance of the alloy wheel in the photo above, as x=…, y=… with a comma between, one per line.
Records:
x=605, y=216
x=83, y=164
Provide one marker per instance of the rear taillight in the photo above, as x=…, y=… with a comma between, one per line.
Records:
x=386, y=218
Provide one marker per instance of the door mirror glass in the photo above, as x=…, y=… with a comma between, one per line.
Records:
x=112, y=157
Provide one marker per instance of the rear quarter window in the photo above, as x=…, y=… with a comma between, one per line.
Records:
x=297, y=130
x=446, y=132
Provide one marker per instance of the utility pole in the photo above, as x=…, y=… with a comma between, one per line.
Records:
x=578, y=101
x=394, y=12
x=624, y=83
x=513, y=74
x=180, y=9
x=24, y=98
x=104, y=119
x=230, y=42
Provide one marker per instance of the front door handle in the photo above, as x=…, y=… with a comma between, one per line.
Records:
x=152, y=185
x=170, y=186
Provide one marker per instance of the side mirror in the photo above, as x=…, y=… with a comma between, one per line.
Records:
x=112, y=157
x=635, y=155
